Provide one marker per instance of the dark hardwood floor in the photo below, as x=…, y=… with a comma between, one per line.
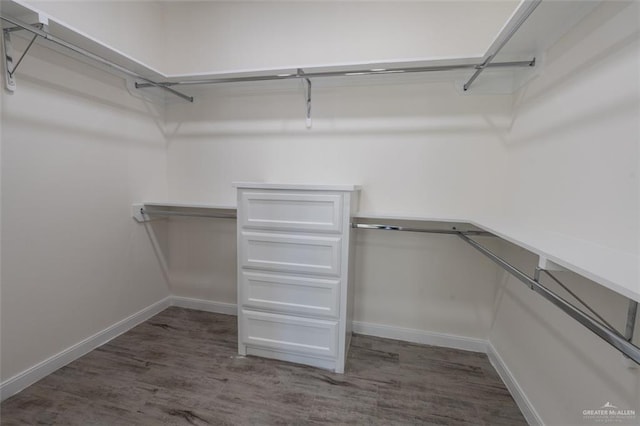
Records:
x=181, y=367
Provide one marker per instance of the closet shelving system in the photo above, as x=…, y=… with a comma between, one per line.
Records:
x=515, y=52
x=532, y=27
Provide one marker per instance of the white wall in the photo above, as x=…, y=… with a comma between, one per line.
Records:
x=77, y=151
x=430, y=283
x=418, y=148
x=574, y=144
x=202, y=258
x=573, y=168
x=232, y=35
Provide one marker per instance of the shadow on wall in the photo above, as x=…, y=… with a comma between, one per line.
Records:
x=92, y=134
x=157, y=231
x=72, y=88
x=626, y=107
x=423, y=282
x=591, y=46
x=420, y=108
x=202, y=258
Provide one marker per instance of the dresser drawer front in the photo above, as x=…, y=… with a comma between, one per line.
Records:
x=291, y=211
x=298, y=295
x=291, y=253
x=289, y=334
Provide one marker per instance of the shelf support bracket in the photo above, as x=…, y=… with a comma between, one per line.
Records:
x=632, y=313
x=9, y=67
x=574, y=295
x=300, y=74
x=549, y=265
x=7, y=47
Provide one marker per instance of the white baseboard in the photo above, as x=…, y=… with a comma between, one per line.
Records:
x=420, y=336
x=369, y=329
x=205, y=305
x=528, y=410
x=28, y=377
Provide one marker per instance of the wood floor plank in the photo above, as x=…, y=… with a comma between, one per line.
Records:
x=182, y=368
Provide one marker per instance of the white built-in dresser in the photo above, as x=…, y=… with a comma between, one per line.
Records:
x=295, y=272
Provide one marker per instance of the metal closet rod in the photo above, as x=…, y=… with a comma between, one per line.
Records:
x=452, y=231
x=45, y=35
x=608, y=334
x=152, y=212
x=300, y=73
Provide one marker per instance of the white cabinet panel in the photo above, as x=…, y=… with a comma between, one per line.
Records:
x=291, y=252
x=291, y=211
x=288, y=333
x=301, y=295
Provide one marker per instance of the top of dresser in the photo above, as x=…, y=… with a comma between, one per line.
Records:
x=289, y=186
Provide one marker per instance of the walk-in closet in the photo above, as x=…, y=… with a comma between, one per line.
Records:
x=306, y=212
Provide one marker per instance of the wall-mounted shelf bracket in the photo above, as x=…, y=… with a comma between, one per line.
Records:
x=137, y=212
x=632, y=314
x=631, y=319
x=549, y=265
x=300, y=74
x=10, y=65
x=536, y=278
